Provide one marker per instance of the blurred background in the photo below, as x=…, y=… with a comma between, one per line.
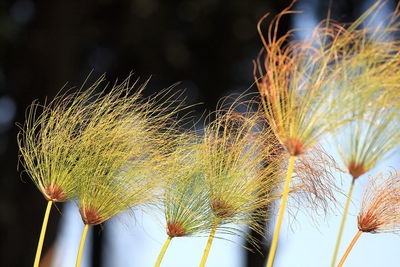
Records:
x=206, y=45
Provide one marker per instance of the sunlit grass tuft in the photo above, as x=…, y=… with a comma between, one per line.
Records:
x=294, y=80
x=241, y=159
x=128, y=140
x=184, y=199
x=368, y=79
x=48, y=147
x=380, y=208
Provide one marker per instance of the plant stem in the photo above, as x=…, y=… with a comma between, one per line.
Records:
x=209, y=242
x=349, y=248
x=81, y=245
x=339, y=238
x=42, y=234
x=162, y=252
x=274, y=244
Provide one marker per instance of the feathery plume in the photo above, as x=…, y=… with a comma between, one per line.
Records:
x=241, y=160
x=313, y=187
x=185, y=193
x=368, y=63
x=127, y=140
x=294, y=80
x=380, y=208
x=47, y=146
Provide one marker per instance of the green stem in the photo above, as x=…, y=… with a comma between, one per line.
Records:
x=349, y=248
x=209, y=242
x=81, y=246
x=42, y=234
x=162, y=253
x=274, y=244
x=339, y=238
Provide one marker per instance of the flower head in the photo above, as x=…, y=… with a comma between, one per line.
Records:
x=294, y=78
x=368, y=140
x=185, y=195
x=48, y=142
x=366, y=84
x=380, y=208
x=104, y=148
x=128, y=140
x=241, y=160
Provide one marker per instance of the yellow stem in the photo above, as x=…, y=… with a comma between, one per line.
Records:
x=274, y=244
x=209, y=242
x=339, y=238
x=162, y=253
x=42, y=234
x=81, y=245
x=349, y=248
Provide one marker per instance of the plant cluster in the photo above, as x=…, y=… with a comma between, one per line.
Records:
x=110, y=149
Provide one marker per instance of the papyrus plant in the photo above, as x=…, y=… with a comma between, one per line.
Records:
x=294, y=80
x=184, y=199
x=241, y=160
x=128, y=139
x=380, y=209
x=368, y=63
x=48, y=145
x=308, y=88
x=364, y=143
x=104, y=148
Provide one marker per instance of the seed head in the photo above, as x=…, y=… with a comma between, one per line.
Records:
x=185, y=195
x=49, y=142
x=241, y=159
x=128, y=139
x=294, y=78
x=380, y=208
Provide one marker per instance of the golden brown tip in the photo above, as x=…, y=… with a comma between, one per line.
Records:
x=90, y=215
x=221, y=209
x=53, y=192
x=294, y=146
x=356, y=169
x=175, y=229
x=368, y=222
